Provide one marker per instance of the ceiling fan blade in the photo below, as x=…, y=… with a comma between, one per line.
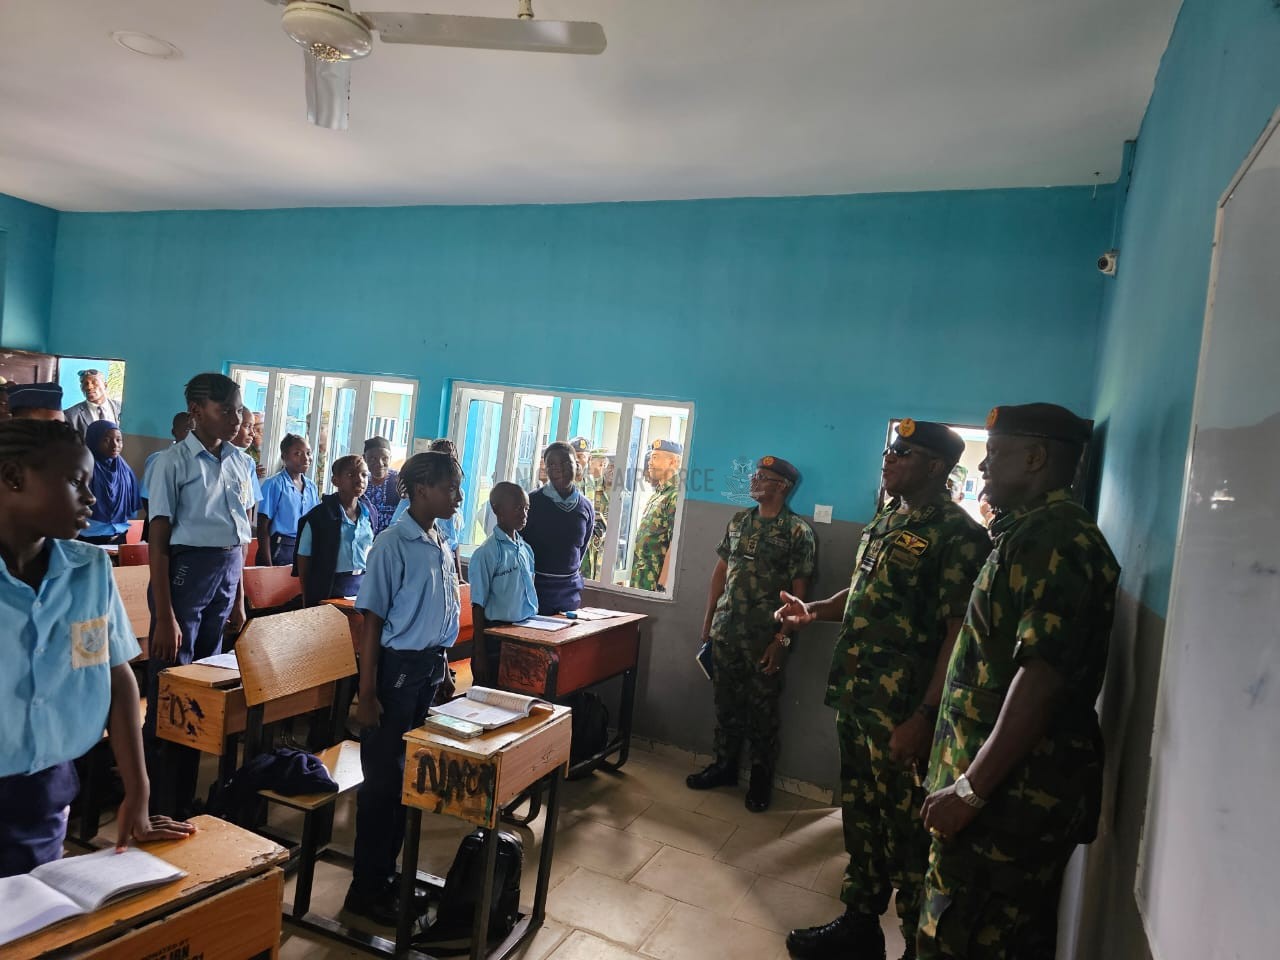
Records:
x=488, y=33
x=328, y=91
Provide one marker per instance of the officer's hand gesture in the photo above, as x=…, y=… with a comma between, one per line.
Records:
x=794, y=612
x=945, y=814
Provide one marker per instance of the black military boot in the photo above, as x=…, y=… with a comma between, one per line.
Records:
x=850, y=936
x=761, y=789
x=718, y=774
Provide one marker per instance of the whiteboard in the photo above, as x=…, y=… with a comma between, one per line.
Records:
x=1210, y=855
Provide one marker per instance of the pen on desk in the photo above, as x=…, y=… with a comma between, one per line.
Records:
x=570, y=615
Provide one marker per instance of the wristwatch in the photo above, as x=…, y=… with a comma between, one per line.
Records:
x=783, y=639
x=964, y=790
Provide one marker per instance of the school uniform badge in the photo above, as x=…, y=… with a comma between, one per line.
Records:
x=89, y=643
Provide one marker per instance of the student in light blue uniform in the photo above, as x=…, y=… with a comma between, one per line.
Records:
x=65, y=646
x=501, y=573
x=287, y=497
x=409, y=598
x=201, y=493
x=334, y=539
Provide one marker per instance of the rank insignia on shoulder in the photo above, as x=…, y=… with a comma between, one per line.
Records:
x=913, y=544
x=906, y=427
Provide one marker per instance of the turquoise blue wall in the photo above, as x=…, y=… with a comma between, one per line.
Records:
x=26, y=272
x=798, y=326
x=1218, y=85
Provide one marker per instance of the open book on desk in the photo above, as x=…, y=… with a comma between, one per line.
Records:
x=489, y=708
x=73, y=885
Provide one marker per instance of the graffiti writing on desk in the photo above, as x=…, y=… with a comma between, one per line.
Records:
x=185, y=714
x=453, y=779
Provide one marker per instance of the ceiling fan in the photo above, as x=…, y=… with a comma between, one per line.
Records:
x=331, y=36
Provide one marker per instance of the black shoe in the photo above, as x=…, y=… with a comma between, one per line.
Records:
x=760, y=791
x=717, y=775
x=850, y=936
x=382, y=907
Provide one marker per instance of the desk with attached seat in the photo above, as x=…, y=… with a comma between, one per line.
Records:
x=228, y=905
x=554, y=664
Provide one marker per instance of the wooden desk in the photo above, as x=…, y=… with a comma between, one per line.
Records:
x=226, y=908
x=465, y=626
x=473, y=780
x=555, y=664
x=204, y=707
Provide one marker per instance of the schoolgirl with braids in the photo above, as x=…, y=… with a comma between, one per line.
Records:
x=409, y=598
x=65, y=646
x=200, y=494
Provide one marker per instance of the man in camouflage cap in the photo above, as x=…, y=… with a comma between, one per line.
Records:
x=765, y=550
x=649, y=567
x=597, y=486
x=1016, y=770
x=902, y=610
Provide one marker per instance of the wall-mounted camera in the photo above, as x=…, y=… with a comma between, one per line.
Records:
x=1108, y=261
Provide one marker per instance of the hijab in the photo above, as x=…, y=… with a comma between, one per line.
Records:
x=113, y=483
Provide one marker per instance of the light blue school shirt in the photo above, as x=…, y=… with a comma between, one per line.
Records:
x=284, y=504
x=100, y=528
x=501, y=577
x=58, y=646
x=354, y=540
x=205, y=497
x=146, y=471
x=448, y=527
x=253, y=476
x=411, y=583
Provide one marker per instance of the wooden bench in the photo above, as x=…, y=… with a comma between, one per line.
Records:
x=284, y=655
x=133, y=555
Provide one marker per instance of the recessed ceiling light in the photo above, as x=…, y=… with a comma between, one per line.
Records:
x=146, y=44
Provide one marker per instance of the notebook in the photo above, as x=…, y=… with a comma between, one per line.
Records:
x=74, y=885
x=489, y=708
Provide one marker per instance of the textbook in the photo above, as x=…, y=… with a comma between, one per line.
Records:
x=453, y=727
x=706, y=660
x=74, y=885
x=489, y=708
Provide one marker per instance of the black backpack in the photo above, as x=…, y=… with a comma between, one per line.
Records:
x=457, y=911
x=590, y=729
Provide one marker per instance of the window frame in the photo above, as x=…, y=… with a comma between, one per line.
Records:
x=457, y=428
x=363, y=384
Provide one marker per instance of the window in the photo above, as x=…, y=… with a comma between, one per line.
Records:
x=502, y=431
x=336, y=412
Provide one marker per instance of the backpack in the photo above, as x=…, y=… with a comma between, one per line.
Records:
x=590, y=728
x=456, y=913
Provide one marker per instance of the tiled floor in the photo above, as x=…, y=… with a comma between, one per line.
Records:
x=646, y=868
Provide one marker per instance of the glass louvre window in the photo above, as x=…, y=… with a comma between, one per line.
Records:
x=502, y=431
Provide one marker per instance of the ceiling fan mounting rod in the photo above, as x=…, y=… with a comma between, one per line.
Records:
x=526, y=10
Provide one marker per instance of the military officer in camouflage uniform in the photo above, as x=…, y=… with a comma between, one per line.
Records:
x=900, y=615
x=649, y=567
x=599, y=480
x=1016, y=768
x=765, y=550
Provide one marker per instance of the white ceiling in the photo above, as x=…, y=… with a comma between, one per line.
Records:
x=692, y=98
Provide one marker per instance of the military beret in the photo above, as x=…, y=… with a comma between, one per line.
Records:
x=937, y=437
x=667, y=446
x=601, y=452
x=781, y=467
x=580, y=444
x=35, y=396
x=1046, y=420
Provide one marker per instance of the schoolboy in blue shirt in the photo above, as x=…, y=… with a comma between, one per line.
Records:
x=501, y=574
x=409, y=598
x=287, y=497
x=201, y=493
x=334, y=539
x=65, y=646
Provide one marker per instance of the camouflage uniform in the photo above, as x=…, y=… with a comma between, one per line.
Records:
x=913, y=572
x=598, y=491
x=1046, y=591
x=764, y=556
x=653, y=536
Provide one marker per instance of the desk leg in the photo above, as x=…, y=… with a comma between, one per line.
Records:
x=408, y=878
x=548, y=848
x=480, y=928
x=626, y=710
